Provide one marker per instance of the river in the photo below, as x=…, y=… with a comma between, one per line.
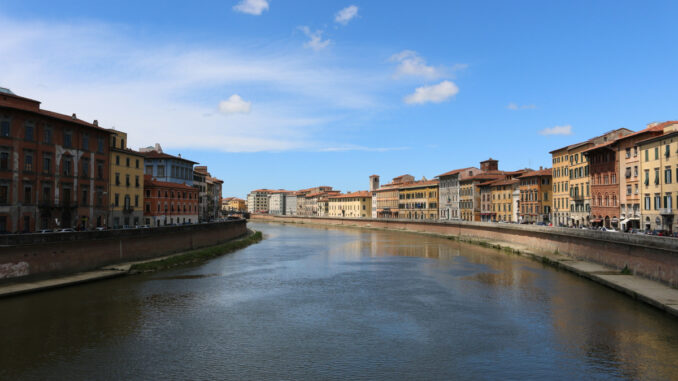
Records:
x=313, y=303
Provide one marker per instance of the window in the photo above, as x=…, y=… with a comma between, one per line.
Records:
x=136, y=163
x=4, y=128
x=149, y=170
x=85, y=198
x=667, y=175
x=29, y=132
x=127, y=180
x=656, y=176
x=28, y=161
x=657, y=201
x=100, y=170
x=647, y=176
x=85, y=167
x=85, y=142
x=656, y=153
x=100, y=145
x=667, y=201
x=46, y=192
x=68, y=139
x=4, y=160
x=127, y=162
x=667, y=151
x=46, y=163
x=161, y=171
x=136, y=200
x=47, y=135
x=136, y=181
x=4, y=194
x=27, y=194
x=647, y=155
x=117, y=199
x=117, y=178
x=117, y=159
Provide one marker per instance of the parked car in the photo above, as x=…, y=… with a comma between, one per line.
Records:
x=100, y=228
x=609, y=230
x=45, y=231
x=66, y=230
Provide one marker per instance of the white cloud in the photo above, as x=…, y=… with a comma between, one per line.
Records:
x=251, y=7
x=345, y=15
x=235, y=105
x=411, y=64
x=315, y=41
x=557, y=130
x=435, y=93
x=514, y=107
x=107, y=73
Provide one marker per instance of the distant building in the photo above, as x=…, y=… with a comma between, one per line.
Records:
x=257, y=201
x=126, y=187
x=350, y=205
x=448, y=200
x=659, y=186
x=168, y=203
x=165, y=167
x=505, y=196
x=388, y=197
x=536, y=196
x=418, y=200
x=233, y=204
x=290, y=203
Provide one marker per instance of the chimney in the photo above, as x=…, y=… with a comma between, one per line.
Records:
x=179, y=155
x=96, y=122
x=540, y=167
x=74, y=117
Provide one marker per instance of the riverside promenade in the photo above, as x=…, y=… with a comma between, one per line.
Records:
x=655, y=292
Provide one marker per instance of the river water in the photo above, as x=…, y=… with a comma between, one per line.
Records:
x=328, y=303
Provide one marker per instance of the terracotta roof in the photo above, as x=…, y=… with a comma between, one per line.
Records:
x=486, y=175
x=262, y=190
x=505, y=182
x=37, y=110
x=541, y=172
x=590, y=141
x=419, y=184
x=148, y=180
x=350, y=195
x=454, y=172
x=162, y=155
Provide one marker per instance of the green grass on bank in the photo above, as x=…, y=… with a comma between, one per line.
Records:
x=198, y=255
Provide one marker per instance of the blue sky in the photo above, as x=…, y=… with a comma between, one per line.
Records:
x=292, y=94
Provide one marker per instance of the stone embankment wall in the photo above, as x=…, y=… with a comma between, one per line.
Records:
x=652, y=257
x=34, y=255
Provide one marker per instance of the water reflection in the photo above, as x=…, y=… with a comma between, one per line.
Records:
x=319, y=303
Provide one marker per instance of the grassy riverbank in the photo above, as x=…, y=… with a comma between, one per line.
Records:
x=198, y=255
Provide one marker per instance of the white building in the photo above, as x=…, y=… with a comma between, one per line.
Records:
x=290, y=204
x=448, y=194
x=257, y=201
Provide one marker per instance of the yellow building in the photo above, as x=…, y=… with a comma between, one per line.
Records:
x=659, y=185
x=503, y=201
x=418, y=200
x=126, y=186
x=571, y=180
x=387, y=196
x=350, y=205
x=561, y=194
x=233, y=204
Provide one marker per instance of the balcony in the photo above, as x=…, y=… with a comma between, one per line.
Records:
x=666, y=211
x=578, y=197
x=127, y=209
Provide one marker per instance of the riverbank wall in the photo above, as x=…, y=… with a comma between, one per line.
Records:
x=651, y=257
x=28, y=256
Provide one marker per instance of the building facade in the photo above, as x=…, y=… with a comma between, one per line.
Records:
x=536, y=196
x=257, y=201
x=560, y=212
x=54, y=168
x=126, y=187
x=449, y=191
x=387, y=197
x=418, y=200
x=630, y=174
x=350, y=205
x=169, y=203
x=165, y=167
x=231, y=205
x=659, y=188
x=504, y=204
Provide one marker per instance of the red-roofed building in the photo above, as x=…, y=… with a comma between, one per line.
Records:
x=448, y=199
x=536, y=196
x=418, y=200
x=350, y=205
x=54, y=168
x=168, y=203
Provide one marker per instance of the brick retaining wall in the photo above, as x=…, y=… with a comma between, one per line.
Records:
x=33, y=255
x=652, y=257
